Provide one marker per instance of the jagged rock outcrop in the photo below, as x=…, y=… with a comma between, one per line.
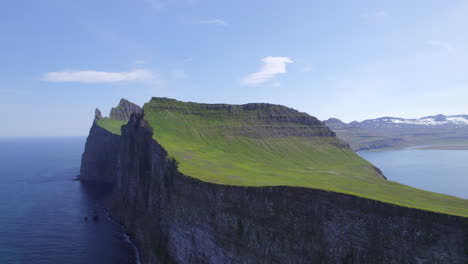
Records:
x=174, y=218
x=97, y=114
x=124, y=110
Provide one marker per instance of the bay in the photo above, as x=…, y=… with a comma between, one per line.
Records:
x=441, y=171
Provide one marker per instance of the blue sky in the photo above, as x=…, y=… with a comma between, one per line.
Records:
x=60, y=59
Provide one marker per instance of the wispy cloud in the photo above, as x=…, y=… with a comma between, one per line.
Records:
x=90, y=76
x=443, y=45
x=380, y=14
x=179, y=74
x=270, y=68
x=307, y=69
x=217, y=22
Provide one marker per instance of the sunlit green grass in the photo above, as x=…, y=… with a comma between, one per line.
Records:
x=111, y=125
x=236, y=147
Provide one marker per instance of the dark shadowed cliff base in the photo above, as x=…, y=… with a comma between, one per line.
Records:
x=178, y=219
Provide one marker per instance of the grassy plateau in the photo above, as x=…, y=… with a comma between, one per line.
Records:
x=272, y=145
x=111, y=125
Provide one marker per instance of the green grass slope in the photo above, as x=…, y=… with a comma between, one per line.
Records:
x=270, y=145
x=112, y=125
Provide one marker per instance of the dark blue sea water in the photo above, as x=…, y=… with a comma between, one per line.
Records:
x=42, y=210
x=442, y=171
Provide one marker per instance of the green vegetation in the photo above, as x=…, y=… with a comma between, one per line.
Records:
x=269, y=145
x=111, y=125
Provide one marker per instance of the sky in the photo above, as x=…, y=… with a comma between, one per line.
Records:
x=353, y=60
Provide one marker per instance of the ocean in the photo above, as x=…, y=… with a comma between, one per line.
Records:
x=441, y=171
x=42, y=209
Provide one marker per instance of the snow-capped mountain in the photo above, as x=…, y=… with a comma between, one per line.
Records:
x=455, y=121
x=394, y=132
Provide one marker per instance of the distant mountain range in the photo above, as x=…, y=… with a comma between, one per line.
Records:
x=440, y=131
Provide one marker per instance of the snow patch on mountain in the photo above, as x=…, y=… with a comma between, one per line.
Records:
x=430, y=121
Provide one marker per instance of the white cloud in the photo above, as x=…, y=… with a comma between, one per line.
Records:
x=139, y=62
x=271, y=67
x=179, y=74
x=446, y=46
x=99, y=76
x=218, y=22
x=307, y=69
x=380, y=14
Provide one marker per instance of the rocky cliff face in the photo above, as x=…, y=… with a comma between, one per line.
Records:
x=124, y=110
x=99, y=161
x=178, y=219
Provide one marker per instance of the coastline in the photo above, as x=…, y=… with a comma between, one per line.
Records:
x=441, y=147
x=127, y=236
x=176, y=218
x=99, y=193
x=418, y=147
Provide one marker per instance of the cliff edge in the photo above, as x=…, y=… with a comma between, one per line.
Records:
x=174, y=218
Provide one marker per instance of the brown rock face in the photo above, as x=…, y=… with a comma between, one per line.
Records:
x=174, y=218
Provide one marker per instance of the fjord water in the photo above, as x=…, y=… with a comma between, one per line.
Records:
x=441, y=171
x=42, y=210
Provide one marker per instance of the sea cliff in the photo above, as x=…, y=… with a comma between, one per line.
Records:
x=174, y=218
